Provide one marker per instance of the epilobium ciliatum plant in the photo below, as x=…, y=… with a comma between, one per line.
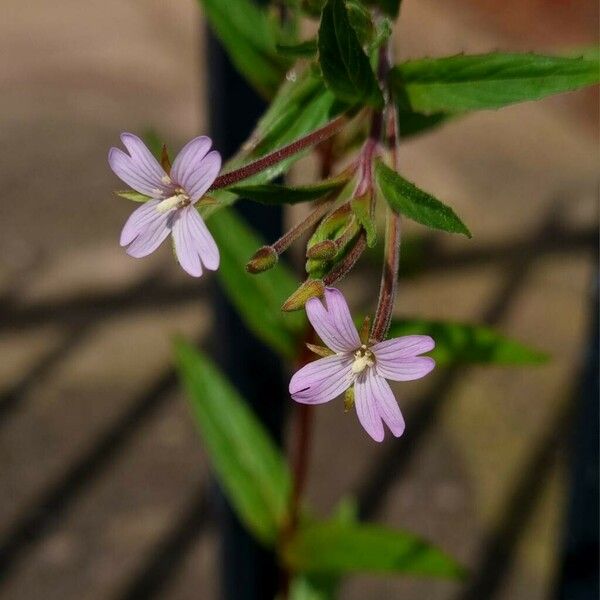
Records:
x=345, y=95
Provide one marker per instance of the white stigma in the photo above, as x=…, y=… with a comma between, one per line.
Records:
x=363, y=358
x=177, y=201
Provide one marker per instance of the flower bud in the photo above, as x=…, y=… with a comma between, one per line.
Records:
x=324, y=250
x=311, y=288
x=264, y=259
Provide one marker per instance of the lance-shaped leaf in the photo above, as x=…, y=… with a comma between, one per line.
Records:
x=248, y=464
x=300, y=107
x=345, y=66
x=272, y=193
x=249, y=34
x=334, y=547
x=409, y=200
x=461, y=83
x=257, y=298
x=460, y=343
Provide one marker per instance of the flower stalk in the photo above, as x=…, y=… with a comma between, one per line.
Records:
x=315, y=137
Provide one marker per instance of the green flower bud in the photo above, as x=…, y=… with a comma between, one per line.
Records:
x=311, y=288
x=263, y=259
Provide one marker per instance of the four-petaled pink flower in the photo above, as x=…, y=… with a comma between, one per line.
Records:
x=365, y=366
x=171, y=207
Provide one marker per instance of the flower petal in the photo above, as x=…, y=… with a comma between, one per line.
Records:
x=139, y=169
x=397, y=359
x=322, y=380
x=386, y=402
x=366, y=403
x=144, y=159
x=145, y=230
x=333, y=323
x=194, y=245
x=195, y=170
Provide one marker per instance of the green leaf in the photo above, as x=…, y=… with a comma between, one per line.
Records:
x=458, y=84
x=312, y=588
x=459, y=343
x=360, y=20
x=360, y=208
x=306, y=49
x=249, y=35
x=248, y=464
x=345, y=66
x=133, y=195
x=299, y=107
x=409, y=200
x=411, y=123
x=257, y=298
x=334, y=547
x=272, y=193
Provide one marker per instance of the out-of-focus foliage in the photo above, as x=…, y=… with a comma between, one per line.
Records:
x=248, y=464
x=460, y=343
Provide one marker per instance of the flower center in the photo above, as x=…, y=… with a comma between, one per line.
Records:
x=363, y=358
x=179, y=200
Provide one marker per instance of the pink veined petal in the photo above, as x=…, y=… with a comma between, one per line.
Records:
x=145, y=230
x=322, y=380
x=145, y=161
x=386, y=402
x=397, y=359
x=334, y=323
x=194, y=245
x=366, y=403
x=126, y=170
x=195, y=170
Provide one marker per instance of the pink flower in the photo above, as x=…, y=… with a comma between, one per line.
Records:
x=367, y=367
x=170, y=208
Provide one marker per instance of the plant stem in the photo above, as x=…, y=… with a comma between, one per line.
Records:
x=284, y=242
x=315, y=137
x=389, y=277
x=344, y=267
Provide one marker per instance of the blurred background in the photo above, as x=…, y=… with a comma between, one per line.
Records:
x=104, y=489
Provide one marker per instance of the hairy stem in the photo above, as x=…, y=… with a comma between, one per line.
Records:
x=315, y=137
x=345, y=266
x=284, y=242
x=389, y=277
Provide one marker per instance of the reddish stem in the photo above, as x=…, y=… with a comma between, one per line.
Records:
x=315, y=137
x=389, y=277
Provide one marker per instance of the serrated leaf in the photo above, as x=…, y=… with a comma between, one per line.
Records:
x=133, y=195
x=249, y=35
x=460, y=343
x=272, y=193
x=249, y=466
x=306, y=49
x=409, y=200
x=345, y=66
x=334, y=547
x=257, y=298
x=461, y=83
